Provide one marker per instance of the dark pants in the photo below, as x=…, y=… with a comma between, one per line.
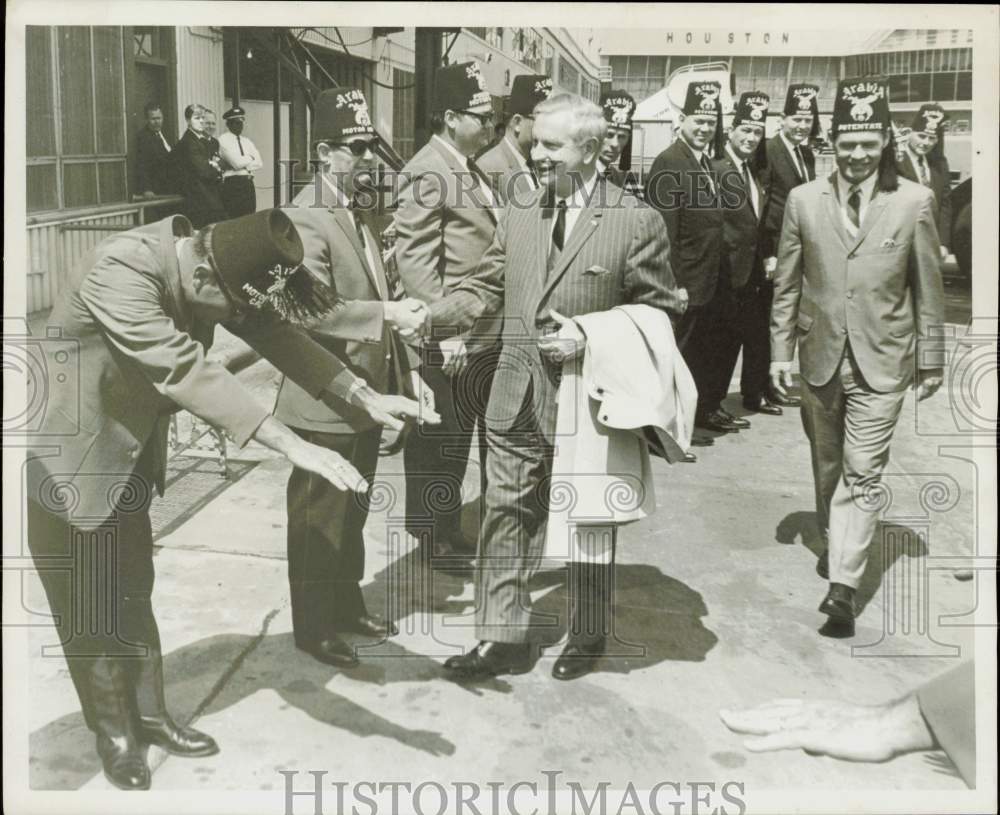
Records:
x=749, y=329
x=99, y=583
x=239, y=196
x=705, y=338
x=326, y=548
x=436, y=456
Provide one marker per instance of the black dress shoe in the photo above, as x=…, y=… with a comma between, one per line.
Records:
x=715, y=421
x=178, y=741
x=124, y=762
x=577, y=659
x=491, y=659
x=333, y=651
x=372, y=626
x=839, y=602
x=762, y=405
x=702, y=441
x=823, y=565
x=690, y=458
x=785, y=401
x=742, y=424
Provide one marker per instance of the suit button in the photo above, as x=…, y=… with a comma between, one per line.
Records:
x=388, y=356
x=843, y=331
x=600, y=390
x=134, y=454
x=850, y=295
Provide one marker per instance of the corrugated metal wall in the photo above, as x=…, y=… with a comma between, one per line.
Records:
x=199, y=70
x=52, y=254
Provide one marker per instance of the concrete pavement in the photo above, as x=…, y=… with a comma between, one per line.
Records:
x=715, y=607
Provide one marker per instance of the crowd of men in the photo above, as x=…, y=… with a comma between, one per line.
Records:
x=214, y=175
x=523, y=266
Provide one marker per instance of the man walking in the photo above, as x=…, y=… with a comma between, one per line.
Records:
x=857, y=288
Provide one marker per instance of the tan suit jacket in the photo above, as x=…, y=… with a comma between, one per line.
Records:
x=881, y=291
x=507, y=177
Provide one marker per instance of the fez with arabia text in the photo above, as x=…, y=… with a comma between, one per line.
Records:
x=802, y=100
x=460, y=87
x=704, y=98
x=932, y=119
x=527, y=91
x=340, y=114
x=619, y=108
x=258, y=259
x=861, y=106
x=751, y=109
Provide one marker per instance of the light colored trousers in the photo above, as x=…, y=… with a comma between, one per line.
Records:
x=849, y=427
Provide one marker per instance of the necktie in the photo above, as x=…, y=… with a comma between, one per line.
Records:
x=358, y=226
x=708, y=171
x=240, y=145
x=559, y=229
x=163, y=138
x=802, y=164
x=922, y=168
x=854, y=206
x=748, y=182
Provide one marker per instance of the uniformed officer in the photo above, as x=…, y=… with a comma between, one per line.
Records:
x=139, y=313
x=508, y=163
x=240, y=160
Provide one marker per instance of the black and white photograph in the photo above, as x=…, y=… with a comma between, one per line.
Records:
x=575, y=408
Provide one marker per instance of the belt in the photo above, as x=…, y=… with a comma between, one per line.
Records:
x=237, y=174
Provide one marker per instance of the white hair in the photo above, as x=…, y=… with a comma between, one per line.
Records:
x=587, y=118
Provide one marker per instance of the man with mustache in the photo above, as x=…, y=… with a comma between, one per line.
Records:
x=857, y=289
x=326, y=550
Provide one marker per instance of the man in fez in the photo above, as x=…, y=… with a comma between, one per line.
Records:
x=922, y=160
x=618, y=109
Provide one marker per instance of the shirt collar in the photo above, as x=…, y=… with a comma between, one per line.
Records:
x=792, y=148
x=914, y=157
x=866, y=187
x=739, y=162
x=517, y=154
x=463, y=160
x=697, y=153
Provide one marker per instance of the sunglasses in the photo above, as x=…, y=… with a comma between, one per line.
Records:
x=359, y=147
x=482, y=118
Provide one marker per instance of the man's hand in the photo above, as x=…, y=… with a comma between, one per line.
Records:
x=410, y=317
x=944, y=253
x=455, y=354
x=928, y=382
x=770, y=264
x=684, y=296
x=148, y=194
x=781, y=377
x=565, y=344
x=392, y=411
x=424, y=395
x=326, y=463
x=838, y=729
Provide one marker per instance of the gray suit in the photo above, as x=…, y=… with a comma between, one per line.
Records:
x=507, y=177
x=857, y=308
x=617, y=253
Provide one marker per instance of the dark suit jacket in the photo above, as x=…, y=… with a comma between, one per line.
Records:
x=356, y=331
x=200, y=179
x=783, y=178
x=941, y=187
x=617, y=253
x=880, y=290
x=130, y=354
x=742, y=227
x=677, y=188
x=154, y=171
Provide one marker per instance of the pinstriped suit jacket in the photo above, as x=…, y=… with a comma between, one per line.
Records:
x=618, y=253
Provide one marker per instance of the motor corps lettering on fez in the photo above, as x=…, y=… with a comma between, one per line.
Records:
x=482, y=97
x=861, y=95
x=804, y=99
x=709, y=97
x=356, y=101
x=758, y=106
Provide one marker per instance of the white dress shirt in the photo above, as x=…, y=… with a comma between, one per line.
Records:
x=797, y=158
x=238, y=163
x=343, y=201
x=754, y=192
x=701, y=158
x=867, y=188
x=166, y=145
x=574, y=206
x=915, y=160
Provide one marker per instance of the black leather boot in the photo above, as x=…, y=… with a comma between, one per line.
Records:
x=122, y=754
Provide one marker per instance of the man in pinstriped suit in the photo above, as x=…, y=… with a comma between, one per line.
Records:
x=582, y=246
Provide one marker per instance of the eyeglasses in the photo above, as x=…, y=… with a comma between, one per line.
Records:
x=482, y=118
x=359, y=147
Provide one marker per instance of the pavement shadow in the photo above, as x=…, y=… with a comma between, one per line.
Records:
x=656, y=618
x=62, y=754
x=891, y=543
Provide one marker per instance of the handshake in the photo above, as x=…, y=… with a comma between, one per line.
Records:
x=409, y=317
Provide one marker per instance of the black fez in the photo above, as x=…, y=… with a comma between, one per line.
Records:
x=751, y=109
x=526, y=91
x=259, y=262
x=704, y=98
x=932, y=119
x=339, y=114
x=619, y=108
x=802, y=99
x=861, y=105
x=460, y=87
